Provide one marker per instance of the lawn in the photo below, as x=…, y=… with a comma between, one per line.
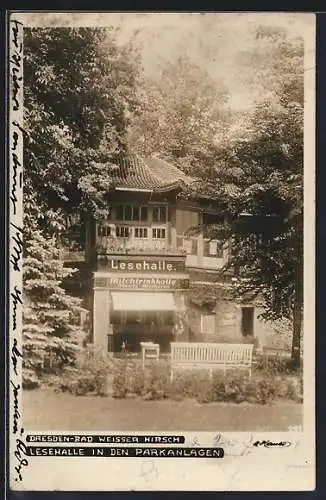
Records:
x=45, y=409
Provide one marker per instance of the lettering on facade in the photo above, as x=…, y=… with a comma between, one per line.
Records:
x=142, y=283
x=145, y=265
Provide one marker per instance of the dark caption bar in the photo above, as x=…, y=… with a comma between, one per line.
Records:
x=124, y=439
x=95, y=451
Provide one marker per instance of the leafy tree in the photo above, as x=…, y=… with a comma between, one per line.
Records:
x=181, y=115
x=259, y=172
x=78, y=96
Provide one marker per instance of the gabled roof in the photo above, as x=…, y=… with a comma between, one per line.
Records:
x=153, y=174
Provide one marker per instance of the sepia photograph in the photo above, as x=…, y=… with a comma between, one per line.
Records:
x=162, y=243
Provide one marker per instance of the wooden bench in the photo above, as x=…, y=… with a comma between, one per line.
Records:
x=208, y=355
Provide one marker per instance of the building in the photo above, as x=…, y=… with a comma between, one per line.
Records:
x=156, y=275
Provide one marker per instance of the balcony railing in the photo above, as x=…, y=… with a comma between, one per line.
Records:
x=107, y=246
x=73, y=255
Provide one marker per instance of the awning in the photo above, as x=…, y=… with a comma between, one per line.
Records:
x=143, y=301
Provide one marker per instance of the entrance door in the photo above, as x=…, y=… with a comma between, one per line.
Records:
x=247, y=321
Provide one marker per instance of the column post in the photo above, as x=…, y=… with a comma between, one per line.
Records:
x=101, y=317
x=200, y=242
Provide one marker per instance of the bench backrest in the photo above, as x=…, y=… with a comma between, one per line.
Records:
x=200, y=352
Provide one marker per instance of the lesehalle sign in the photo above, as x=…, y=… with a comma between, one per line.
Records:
x=145, y=265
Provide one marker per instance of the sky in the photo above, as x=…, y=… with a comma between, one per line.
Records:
x=215, y=41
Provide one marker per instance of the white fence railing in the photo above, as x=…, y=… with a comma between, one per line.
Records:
x=209, y=355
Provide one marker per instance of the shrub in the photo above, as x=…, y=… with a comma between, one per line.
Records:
x=192, y=384
x=136, y=380
x=120, y=379
x=293, y=389
x=265, y=389
x=224, y=339
x=262, y=388
x=229, y=388
x=156, y=381
x=94, y=370
x=90, y=375
x=275, y=364
x=30, y=379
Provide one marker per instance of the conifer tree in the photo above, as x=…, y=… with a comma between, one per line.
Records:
x=51, y=333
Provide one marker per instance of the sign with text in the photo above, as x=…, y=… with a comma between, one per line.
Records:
x=141, y=283
x=145, y=265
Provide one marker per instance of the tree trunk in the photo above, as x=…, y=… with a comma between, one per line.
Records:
x=296, y=332
x=297, y=308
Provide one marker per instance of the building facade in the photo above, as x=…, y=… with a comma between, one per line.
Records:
x=156, y=275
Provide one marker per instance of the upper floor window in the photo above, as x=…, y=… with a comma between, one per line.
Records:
x=158, y=233
x=159, y=214
x=103, y=230
x=131, y=212
x=213, y=248
x=189, y=245
x=140, y=232
x=122, y=231
x=213, y=219
x=75, y=232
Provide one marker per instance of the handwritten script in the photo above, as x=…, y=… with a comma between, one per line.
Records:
x=15, y=355
x=17, y=174
x=20, y=455
x=15, y=152
x=17, y=250
x=272, y=444
x=232, y=447
x=16, y=63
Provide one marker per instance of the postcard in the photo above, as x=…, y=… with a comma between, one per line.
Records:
x=161, y=251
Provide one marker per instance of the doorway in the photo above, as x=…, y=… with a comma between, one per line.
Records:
x=247, y=321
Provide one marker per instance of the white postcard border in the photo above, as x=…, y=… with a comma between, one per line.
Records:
x=244, y=467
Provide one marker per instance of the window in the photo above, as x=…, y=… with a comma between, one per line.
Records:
x=213, y=248
x=247, y=321
x=136, y=213
x=143, y=213
x=133, y=317
x=208, y=321
x=158, y=233
x=212, y=219
x=75, y=233
x=189, y=245
x=119, y=212
x=116, y=317
x=130, y=212
x=194, y=249
x=150, y=318
x=159, y=214
x=103, y=230
x=122, y=231
x=186, y=219
x=140, y=232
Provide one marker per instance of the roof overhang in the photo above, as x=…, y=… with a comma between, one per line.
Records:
x=139, y=190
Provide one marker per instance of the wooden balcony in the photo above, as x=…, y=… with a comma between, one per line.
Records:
x=70, y=256
x=130, y=246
